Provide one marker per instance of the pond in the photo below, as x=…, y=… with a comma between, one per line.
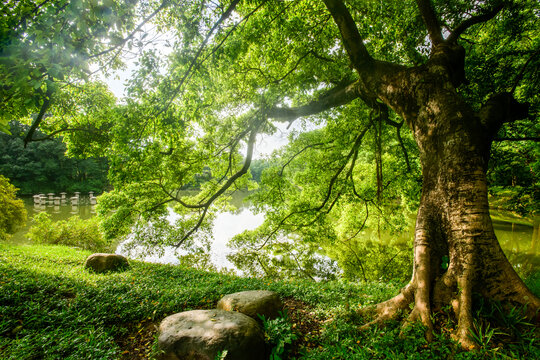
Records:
x=519, y=237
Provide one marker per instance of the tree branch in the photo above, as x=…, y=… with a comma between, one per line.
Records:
x=340, y=95
x=499, y=109
x=398, y=127
x=39, y=117
x=206, y=205
x=431, y=21
x=36, y=8
x=56, y=132
x=352, y=154
x=132, y=34
x=298, y=153
x=193, y=63
x=353, y=42
x=461, y=28
x=519, y=77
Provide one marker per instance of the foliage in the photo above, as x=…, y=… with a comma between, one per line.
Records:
x=513, y=175
x=12, y=210
x=43, y=167
x=47, y=46
x=347, y=229
x=228, y=66
x=257, y=167
x=279, y=335
x=52, y=308
x=76, y=232
x=511, y=60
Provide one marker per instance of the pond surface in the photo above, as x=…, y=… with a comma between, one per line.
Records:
x=519, y=237
x=63, y=211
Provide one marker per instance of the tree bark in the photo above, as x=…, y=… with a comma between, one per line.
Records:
x=453, y=218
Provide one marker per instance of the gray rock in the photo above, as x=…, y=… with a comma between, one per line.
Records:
x=203, y=334
x=251, y=303
x=106, y=262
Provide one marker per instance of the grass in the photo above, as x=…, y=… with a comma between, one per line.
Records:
x=51, y=308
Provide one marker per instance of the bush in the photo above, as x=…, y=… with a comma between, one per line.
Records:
x=74, y=232
x=12, y=211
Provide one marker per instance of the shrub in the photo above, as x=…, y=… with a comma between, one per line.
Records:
x=74, y=232
x=12, y=211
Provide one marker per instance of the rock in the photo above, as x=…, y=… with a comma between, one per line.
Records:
x=106, y=262
x=251, y=303
x=204, y=334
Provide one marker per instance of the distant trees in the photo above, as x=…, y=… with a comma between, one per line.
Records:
x=514, y=176
x=12, y=211
x=43, y=166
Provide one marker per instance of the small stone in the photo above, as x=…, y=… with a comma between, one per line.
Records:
x=100, y=263
x=253, y=303
x=204, y=334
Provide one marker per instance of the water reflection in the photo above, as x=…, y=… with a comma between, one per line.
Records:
x=226, y=225
x=57, y=207
x=519, y=237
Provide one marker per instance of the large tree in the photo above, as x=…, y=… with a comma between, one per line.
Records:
x=451, y=71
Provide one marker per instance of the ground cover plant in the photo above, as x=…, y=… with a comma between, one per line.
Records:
x=51, y=308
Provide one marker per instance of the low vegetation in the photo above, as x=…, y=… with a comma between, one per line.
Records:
x=51, y=308
x=74, y=231
x=12, y=214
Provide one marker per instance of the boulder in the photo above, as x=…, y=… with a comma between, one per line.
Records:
x=204, y=334
x=252, y=303
x=106, y=262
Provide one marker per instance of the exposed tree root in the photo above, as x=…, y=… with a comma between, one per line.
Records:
x=389, y=309
x=410, y=305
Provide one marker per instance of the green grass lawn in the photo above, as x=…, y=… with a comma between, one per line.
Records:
x=52, y=308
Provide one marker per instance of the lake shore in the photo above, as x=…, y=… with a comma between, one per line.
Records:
x=52, y=308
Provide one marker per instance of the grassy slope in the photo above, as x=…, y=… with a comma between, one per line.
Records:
x=51, y=308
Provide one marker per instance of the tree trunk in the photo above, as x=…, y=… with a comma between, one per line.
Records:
x=453, y=225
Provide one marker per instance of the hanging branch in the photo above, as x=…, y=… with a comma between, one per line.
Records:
x=62, y=130
x=193, y=64
x=355, y=253
x=402, y=145
x=486, y=16
x=206, y=205
x=298, y=153
x=378, y=155
x=333, y=180
x=390, y=261
x=519, y=77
